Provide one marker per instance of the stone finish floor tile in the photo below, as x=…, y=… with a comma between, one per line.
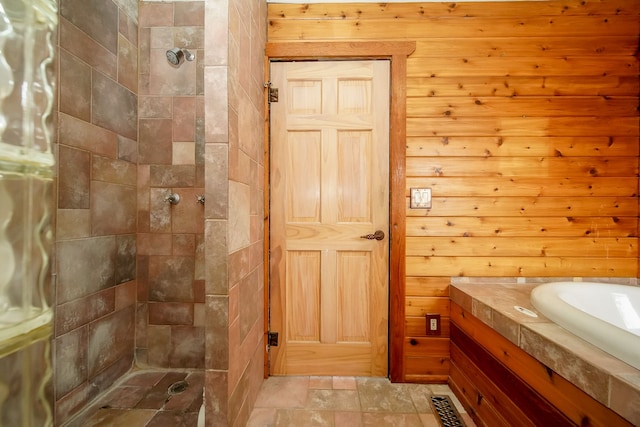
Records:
x=382, y=396
x=174, y=419
x=336, y=400
x=121, y=417
x=142, y=399
x=262, y=417
x=283, y=392
x=303, y=417
x=320, y=383
x=282, y=402
x=158, y=395
x=375, y=419
x=347, y=402
x=348, y=419
x=344, y=383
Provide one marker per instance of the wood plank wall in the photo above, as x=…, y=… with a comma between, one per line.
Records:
x=523, y=120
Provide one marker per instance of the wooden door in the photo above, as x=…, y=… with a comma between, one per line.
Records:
x=329, y=178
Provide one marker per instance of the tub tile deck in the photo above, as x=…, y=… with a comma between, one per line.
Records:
x=604, y=377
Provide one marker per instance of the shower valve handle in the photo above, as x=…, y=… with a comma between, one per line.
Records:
x=172, y=198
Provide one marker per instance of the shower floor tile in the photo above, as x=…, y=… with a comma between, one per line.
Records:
x=143, y=399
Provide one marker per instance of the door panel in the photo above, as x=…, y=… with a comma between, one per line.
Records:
x=329, y=180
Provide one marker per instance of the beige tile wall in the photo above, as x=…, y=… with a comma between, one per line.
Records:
x=170, y=324
x=234, y=232
x=96, y=200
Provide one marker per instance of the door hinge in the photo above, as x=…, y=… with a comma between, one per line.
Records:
x=273, y=94
x=273, y=339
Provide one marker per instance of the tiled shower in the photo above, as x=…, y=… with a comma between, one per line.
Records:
x=140, y=281
x=96, y=199
x=170, y=327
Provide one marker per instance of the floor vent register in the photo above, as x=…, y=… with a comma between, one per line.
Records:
x=445, y=410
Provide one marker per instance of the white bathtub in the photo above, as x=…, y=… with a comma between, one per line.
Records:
x=606, y=315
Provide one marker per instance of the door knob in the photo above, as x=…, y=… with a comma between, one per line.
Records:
x=378, y=235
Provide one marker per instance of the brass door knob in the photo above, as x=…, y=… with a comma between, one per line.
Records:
x=377, y=235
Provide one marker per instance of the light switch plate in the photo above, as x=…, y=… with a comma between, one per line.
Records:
x=420, y=198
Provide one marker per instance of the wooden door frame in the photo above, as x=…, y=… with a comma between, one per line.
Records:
x=397, y=53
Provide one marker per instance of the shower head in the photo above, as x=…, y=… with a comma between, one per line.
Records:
x=176, y=56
